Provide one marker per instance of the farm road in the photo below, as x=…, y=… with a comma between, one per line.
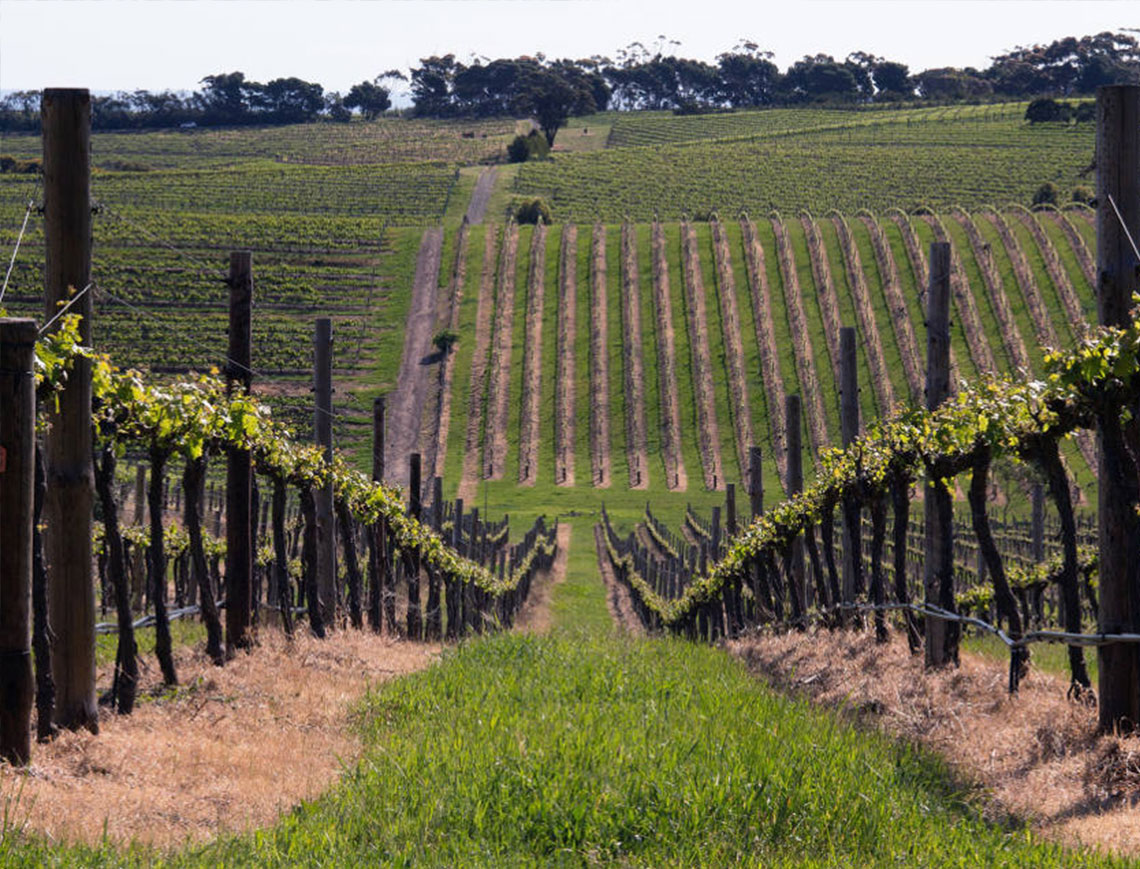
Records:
x=406, y=406
x=481, y=195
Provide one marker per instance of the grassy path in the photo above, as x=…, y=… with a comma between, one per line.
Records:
x=633, y=364
x=708, y=432
x=477, y=385
x=599, y=361
x=532, y=360
x=585, y=746
x=671, y=432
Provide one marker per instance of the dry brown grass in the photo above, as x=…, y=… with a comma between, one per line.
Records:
x=1036, y=755
x=229, y=750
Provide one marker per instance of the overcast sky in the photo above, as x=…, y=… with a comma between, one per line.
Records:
x=159, y=44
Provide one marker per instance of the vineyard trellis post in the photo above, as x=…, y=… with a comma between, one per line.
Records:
x=849, y=431
x=70, y=496
x=412, y=559
x=381, y=600
x=938, y=563
x=239, y=468
x=17, y=476
x=323, y=495
x=795, y=485
x=1118, y=225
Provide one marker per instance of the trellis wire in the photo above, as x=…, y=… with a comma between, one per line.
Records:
x=19, y=239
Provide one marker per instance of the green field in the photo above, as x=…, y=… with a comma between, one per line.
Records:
x=793, y=159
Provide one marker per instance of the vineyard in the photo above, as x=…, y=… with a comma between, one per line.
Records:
x=768, y=375
x=727, y=317
x=816, y=161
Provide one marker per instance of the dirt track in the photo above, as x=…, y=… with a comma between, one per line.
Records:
x=478, y=383
x=707, y=429
x=498, y=388
x=565, y=374
x=599, y=363
x=532, y=360
x=481, y=195
x=634, y=373
x=406, y=406
x=433, y=438
x=766, y=340
x=675, y=476
x=740, y=406
x=896, y=305
x=801, y=340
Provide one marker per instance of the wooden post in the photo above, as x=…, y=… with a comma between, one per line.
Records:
x=66, y=117
x=849, y=431
x=323, y=496
x=17, y=477
x=755, y=481
x=795, y=471
x=378, y=536
x=434, y=623
x=938, y=564
x=239, y=467
x=1118, y=277
x=415, y=510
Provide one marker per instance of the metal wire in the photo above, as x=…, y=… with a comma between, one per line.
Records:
x=199, y=345
x=19, y=239
x=212, y=271
x=1127, y=234
x=64, y=309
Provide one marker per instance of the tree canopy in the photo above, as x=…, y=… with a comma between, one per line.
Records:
x=639, y=77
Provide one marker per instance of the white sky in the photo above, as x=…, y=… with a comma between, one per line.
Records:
x=158, y=44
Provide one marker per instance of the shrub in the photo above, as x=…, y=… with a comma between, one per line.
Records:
x=18, y=166
x=533, y=211
x=1083, y=194
x=1046, y=194
x=532, y=146
x=444, y=340
x=1044, y=110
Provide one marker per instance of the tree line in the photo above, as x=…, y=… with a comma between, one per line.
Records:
x=638, y=77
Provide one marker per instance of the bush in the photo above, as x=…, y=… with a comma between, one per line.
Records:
x=532, y=146
x=444, y=340
x=1045, y=110
x=1083, y=195
x=18, y=166
x=533, y=211
x=1046, y=194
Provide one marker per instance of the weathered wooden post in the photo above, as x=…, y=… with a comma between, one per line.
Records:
x=849, y=431
x=412, y=559
x=938, y=564
x=755, y=481
x=17, y=476
x=378, y=579
x=434, y=623
x=323, y=495
x=1118, y=278
x=239, y=466
x=66, y=117
x=795, y=471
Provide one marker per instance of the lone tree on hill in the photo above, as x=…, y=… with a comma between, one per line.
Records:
x=549, y=99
